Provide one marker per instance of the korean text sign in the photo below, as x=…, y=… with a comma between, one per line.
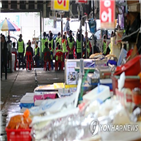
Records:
x=107, y=14
x=62, y=5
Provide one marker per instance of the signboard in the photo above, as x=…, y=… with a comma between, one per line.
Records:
x=81, y=1
x=107, y=14
x=62, y=5
x=71, y=74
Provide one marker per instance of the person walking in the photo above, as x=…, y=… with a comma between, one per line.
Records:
x=36, y=54
x=21, y=49
x=3, y=56
x=51, y=47
x=70, y=45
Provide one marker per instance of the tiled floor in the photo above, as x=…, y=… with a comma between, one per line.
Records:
x=16, y=85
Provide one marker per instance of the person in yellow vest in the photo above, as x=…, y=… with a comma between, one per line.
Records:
x=51, y=47
x=58, y=39
x=21, y=49
x=88, y=45
x=64, y=47
x=78, y=46
x=43, y=45
x=104, y=45
x=36, y=54
x=70, y=45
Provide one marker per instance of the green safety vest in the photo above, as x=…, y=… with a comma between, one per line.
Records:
x=64, y=47
x=25, y=50
x=20, y=47
x=36, y=50
x=57, y=56
x=104, y=48
x=43, y=43
x=78, y=50
x=58, y=40
x=88, y=48
x=70, y=46
x=51, y=45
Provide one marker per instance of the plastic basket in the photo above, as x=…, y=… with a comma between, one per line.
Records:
x=18, y=135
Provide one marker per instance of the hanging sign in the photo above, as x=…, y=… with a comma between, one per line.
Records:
x=62, y=5
x=107, y=14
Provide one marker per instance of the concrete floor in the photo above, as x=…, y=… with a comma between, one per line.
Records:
x=17, y=84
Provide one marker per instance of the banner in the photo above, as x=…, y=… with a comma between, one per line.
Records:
x=107, y=14
x=62, y=5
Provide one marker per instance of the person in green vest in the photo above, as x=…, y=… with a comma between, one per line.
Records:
x=70, y=45
x=58, y=39
x=43, y=45
x=64, y=47
x=51, y=47
x=78, y=46
x=88, y=45
x=21, y=49
x=104, y=45
x=36, y=54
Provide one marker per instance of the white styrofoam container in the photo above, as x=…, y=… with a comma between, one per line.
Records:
x=94, y=94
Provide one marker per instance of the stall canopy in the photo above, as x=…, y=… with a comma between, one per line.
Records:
x=7, y=25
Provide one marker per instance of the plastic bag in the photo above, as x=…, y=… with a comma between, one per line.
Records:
x=20, y=121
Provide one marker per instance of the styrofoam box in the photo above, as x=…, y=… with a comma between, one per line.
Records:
x=94, y=94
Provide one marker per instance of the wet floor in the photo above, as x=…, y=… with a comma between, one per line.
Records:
x=17, y=84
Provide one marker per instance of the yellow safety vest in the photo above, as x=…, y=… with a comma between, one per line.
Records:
x=36, y=50
x=70, y=46
x=104, y=48
x=20, y=47
x=64, y=47
x=78, y=50
x=88, y=47
x=43, y=43
x=51, y=45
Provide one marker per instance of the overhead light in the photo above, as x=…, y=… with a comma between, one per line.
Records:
x=0, y=4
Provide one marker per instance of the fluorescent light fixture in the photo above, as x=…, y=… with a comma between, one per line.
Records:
x=0, y=4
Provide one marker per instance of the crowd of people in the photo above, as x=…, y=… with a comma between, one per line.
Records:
x=66, y=44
